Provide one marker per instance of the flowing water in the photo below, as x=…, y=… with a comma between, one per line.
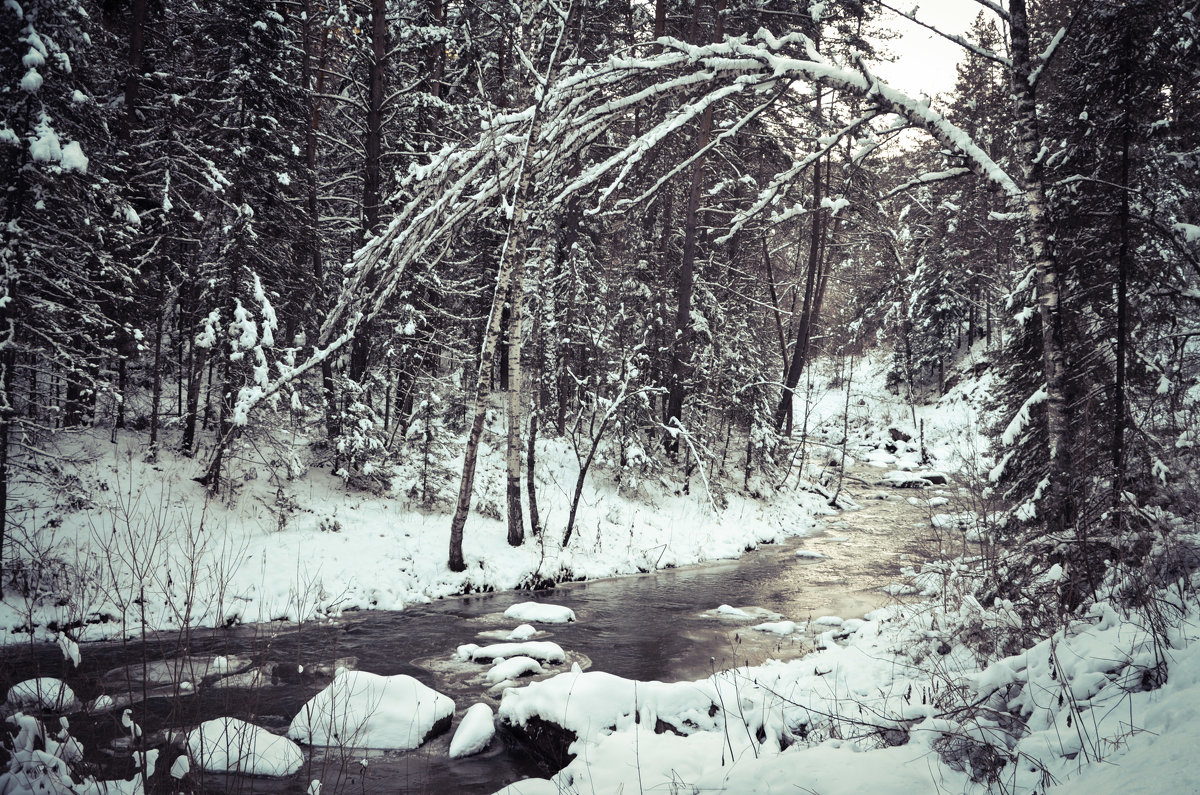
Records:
x=655, y=626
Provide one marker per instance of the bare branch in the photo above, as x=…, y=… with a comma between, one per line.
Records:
x=982, y=52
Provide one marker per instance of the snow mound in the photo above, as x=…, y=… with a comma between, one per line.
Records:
x=514, y=667
x=830, y=621
x=365, y=710
x=45, y=692
x=808, y=553
x=540, y=613
x=229, y=745
x=596, y=703
x=542, y=650
x=728, y=610
x=523, y=632
x=474, y=733
x=778, y=627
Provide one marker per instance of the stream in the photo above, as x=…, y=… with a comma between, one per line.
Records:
x=661, y=625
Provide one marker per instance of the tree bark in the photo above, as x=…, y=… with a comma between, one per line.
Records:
x=1123, y=268
x=133, y=79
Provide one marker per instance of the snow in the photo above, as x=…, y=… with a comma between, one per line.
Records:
x=43, y=692
x=73, y=158
x=365, y=710
x=540, y=613
x=45, y=146
x=874, y=662
x=513, y=667
x=1190, y=232
x=777, y=627
x=474, y=733
x=303, y=571
x=727, y=729
x=229, y=745
x=543, y=650
x=180, y=767
x=32, y=81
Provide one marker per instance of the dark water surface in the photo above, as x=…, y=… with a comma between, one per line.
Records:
x=655, y=626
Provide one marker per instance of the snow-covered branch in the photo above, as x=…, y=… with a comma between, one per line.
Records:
x=928, y=178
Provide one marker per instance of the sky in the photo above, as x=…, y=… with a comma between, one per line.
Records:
x=925, y=61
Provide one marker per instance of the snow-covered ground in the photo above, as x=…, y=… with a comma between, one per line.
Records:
x=918, y=698
x=310, y=548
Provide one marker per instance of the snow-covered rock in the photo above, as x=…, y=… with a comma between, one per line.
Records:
x=543, y=650
x=594, y=703
x=523, y=632
x=540, y=613
x=365, y=710
x=474, y=732
x=777, y=627
x=513, y=667
x=44, y=692
x=229, y=745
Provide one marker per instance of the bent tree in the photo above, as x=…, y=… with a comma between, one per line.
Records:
x=553, y=148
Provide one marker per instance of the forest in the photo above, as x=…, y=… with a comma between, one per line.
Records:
x=396, y=240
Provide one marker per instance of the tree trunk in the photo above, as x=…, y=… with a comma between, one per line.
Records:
x=535, y=526
x=516, y=520
x=1056, y=508
x=681, y=342
x=133, y=79
x=313, y=78
x=372, y=169
x=196, y=361
x=783, y=414
x=511, y=259
x=1122, y=332
x=156, y=372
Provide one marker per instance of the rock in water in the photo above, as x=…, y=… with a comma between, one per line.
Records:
x=229, y=745
x=475, y=732
x=365, y=710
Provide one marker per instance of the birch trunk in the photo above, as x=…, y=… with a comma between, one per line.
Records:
x=511, y=262
x=516, y=519
x=1056, y=508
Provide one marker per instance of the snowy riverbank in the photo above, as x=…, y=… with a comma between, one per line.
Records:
x=119, y=544
x=896, y=704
